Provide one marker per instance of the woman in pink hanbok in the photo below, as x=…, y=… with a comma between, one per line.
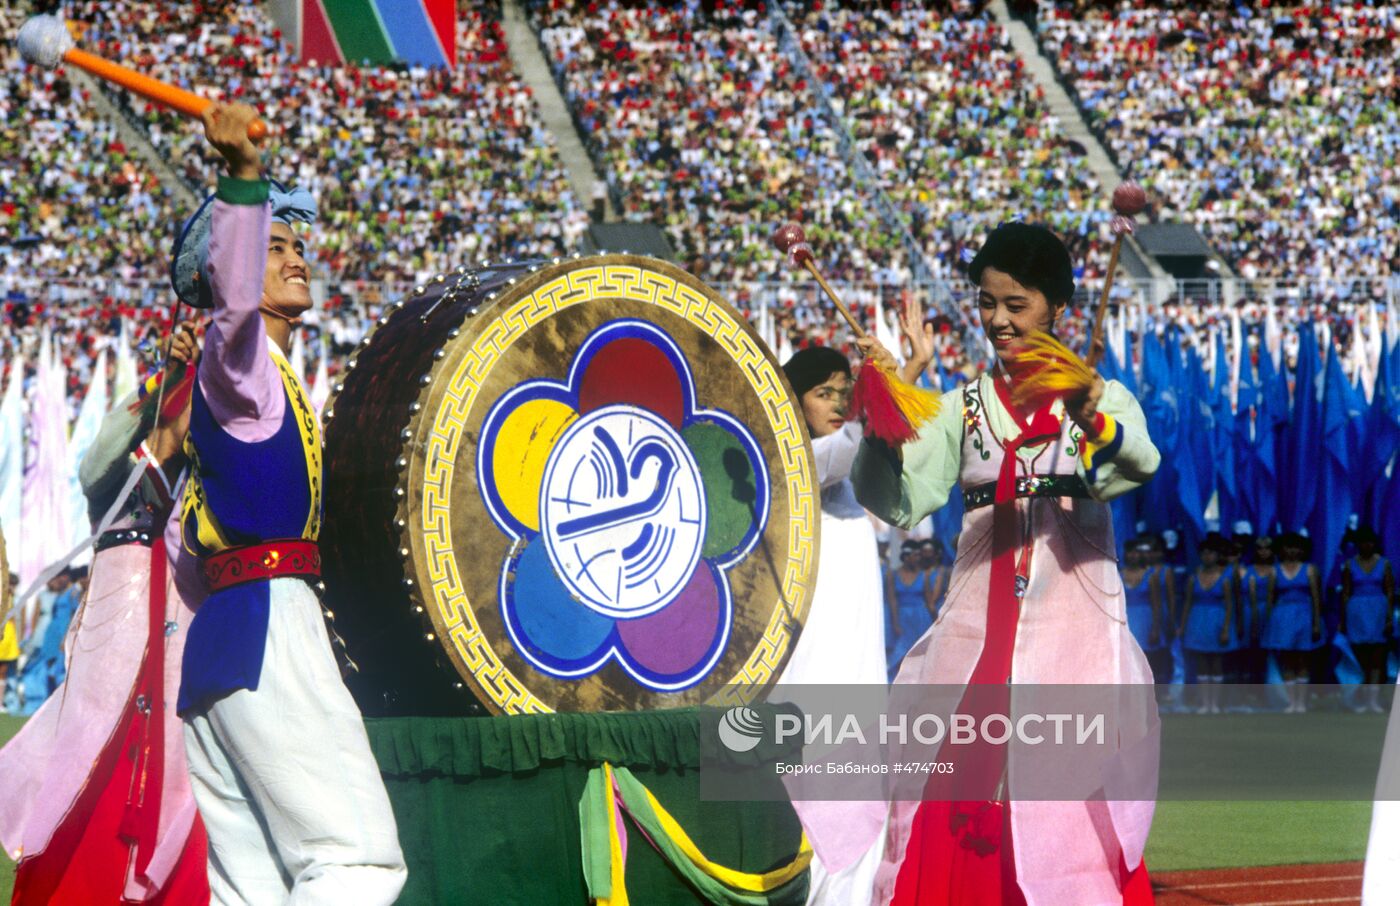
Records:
x=96, y=804
x=1034, y=597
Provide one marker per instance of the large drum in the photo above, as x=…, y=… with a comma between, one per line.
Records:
x=574, y=486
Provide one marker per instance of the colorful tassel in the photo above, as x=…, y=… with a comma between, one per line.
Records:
x=1045, y=369
x=177, y=394
x=893, y=410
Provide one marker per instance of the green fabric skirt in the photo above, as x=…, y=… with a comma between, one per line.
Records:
x=488, y=807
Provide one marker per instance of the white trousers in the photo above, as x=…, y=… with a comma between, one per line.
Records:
x=290, y=795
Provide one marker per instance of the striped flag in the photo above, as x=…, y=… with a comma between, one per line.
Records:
x=336, y=32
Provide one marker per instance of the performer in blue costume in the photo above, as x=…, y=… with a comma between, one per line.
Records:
x=280, y=763
x=43, y=668
x=1255, y=578
x=1149, y=616
x=1293, y=623
x=911, y=595
x=1368, y=611
x=1210, y=619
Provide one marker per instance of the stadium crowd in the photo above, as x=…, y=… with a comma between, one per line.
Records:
x=957, y=132
x=1272, y=128
x=416, y=170
x=701, y=125
x=700, y=122
x=76, y=205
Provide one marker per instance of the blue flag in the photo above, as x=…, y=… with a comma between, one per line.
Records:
x=1387, y=500
x=1382, y=440
x=1159, y=402
x=1125, y=507
x=1269, y=437
x=1340, y=406
x=1195, y=473
x=1222, y=438
x=1302, y=446
x=1247, y=477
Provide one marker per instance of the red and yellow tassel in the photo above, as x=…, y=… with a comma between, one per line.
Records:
x=893, y=410
x=178, y=390
x=1045, y=369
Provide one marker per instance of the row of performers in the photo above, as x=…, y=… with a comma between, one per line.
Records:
x=1248, y=598
x=258, y=786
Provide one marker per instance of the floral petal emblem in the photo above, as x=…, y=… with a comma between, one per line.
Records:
x=627, y=501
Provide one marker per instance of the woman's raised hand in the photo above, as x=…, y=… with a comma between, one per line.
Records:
x=875, y=352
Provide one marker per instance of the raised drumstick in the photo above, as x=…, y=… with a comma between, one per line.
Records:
x=791, y=240
x=45, y=41
x=1129, y=200
x=893, y=410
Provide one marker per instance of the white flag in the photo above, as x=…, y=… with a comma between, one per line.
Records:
x=1237, y=355
x=1273, y=336
x=85, y=430
x=321, y=386
x=124, y=378
x=888, y=334
x=44, y=503
x=12, y=450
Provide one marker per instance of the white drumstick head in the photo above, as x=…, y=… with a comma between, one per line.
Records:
x=44, y=40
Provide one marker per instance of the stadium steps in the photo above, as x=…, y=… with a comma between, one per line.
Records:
x=527, y=55
x=1134, y=260
x=863, y=175
x=135, y=137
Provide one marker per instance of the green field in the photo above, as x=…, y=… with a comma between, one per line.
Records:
x=9, y=726
x=1234, y=834
x=1184, y=835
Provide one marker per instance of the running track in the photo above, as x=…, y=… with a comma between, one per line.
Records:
x=1333, y=884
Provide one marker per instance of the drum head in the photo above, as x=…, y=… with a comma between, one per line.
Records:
x=606, y=498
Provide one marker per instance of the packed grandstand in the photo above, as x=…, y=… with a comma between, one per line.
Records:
x=897, y=133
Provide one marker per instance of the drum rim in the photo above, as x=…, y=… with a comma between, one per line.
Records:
x=413, y=428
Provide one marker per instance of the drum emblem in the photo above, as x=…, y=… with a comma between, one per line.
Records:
x=628, y=502
x=623, y=511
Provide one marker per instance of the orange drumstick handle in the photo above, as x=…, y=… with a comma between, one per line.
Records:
x=185, y=102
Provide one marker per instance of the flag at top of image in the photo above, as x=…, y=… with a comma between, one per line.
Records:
x=336, y=32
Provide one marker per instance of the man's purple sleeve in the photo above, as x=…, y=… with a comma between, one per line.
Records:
x=239, y=380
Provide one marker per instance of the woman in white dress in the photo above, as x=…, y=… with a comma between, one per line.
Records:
x=843, y=637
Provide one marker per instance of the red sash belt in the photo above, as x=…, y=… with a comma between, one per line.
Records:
x=269, y=560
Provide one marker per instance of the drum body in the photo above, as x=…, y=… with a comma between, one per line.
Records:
x=578, y=486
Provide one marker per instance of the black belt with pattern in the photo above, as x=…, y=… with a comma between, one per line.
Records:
x=118, y=537
x=1028, y=486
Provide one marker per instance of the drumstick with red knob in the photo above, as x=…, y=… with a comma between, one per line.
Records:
x=1129, y=200
x=791, y=240
x=45, y=41
x=893, y=410
x=1043, y=367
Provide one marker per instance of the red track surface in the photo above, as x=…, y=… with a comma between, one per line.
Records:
x=1333, y=884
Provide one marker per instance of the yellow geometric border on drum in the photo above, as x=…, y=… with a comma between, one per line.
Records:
x=448, y=427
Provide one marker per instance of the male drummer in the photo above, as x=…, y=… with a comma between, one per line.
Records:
x=279, y=760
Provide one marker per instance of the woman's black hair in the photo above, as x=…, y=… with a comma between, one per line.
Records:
x=1360, y=534
x=1214, y=541
x=1031, y=255
x=812, y=366
x=1298, y=540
